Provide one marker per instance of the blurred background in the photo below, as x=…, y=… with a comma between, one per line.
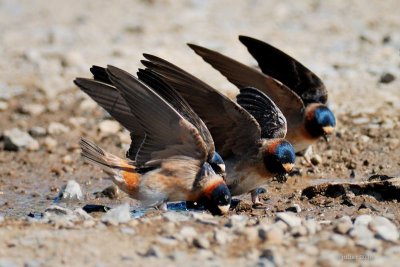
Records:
x=352, y=45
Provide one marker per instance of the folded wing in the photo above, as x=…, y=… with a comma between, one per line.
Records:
x=264, y=110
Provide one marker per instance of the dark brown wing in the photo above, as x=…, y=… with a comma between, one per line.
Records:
x=100, y=74
x=264, y=110
x=244, y=76
x=155, y=82
x=287, y=70
x=109, y=98
x=233, y=129
x=168, y=134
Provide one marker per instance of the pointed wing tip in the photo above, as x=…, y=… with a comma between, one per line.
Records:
x=149, y=56
x=195, y=47
x=80, y=81
x=242, y=37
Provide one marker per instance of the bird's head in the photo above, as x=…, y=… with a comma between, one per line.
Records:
x=279, y=156
x=320, y=121
x=216, y=196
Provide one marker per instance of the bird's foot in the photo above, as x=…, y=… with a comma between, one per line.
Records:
x=256, y=199
x=163, y=206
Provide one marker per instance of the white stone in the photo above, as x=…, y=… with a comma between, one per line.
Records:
x=119, y=214
x=56, y=128
x=15, y=139
x=3, y=105
x=364, y=219
x=384, y=229
x=33, y=109
x=109, y=127
x=290, y=219
x=72, y=191
x=87, y=104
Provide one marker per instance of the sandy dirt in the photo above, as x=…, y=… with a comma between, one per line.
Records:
x=351, y=45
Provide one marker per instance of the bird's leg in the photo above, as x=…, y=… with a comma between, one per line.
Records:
x=255, y=197
x=163, y=206
x=307, y=154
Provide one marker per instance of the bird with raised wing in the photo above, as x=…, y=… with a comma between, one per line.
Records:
x=297, y=91
x=171, y=161
x=249, y=135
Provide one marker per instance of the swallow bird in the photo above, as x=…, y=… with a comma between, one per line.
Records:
x=297, y=91
x=107, y=96
x=171, y=161
x=249, y=136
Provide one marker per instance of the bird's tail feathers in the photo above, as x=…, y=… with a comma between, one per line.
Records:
x=110, y=164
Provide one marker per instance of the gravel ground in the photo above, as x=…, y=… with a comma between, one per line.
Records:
x=342, y=211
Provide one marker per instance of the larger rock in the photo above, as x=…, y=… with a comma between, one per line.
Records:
x=59, y=214
x=109, y=127
x=57, y=128
x=119, y=214
x=384, y=229
x=290, y=219
x=15, y=140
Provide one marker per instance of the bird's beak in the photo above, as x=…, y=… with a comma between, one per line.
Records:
x=224, y=209
x=288, y=166
x=222, y=167
x=328, y=130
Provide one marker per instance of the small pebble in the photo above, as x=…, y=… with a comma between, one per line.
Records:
x=237, y=221
x=109, y=127
x=316, y=159
x=88, y=105
x=290, y=219
x=387, y=78
x=201, y=242
x=273, y=235
x=187, y=234
x=112, y=192
x=15, y=140
x=294, y=208
x=343, y=225
x=37, y=131
x=127, y=231
x=221, y=237
x=71, y=191
x=117, y=215
x=33, y=109
x=3, y=105
x=50, y=143
x=56, y=128
x=339, y=240
x=67, y=159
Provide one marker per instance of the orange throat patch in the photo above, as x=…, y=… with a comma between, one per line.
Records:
x=211, y=186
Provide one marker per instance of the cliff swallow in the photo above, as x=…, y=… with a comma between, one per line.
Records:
x=171, y=162
x=102, y=90
x=249, y=135
x=298, y=92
